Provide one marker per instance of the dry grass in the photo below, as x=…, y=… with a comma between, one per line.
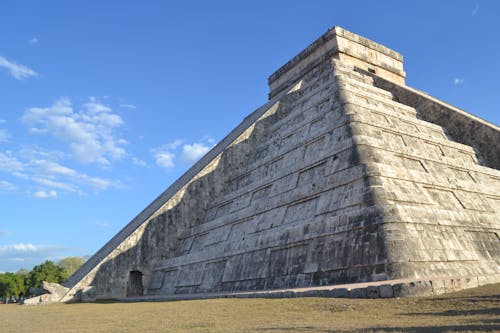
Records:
x=472, y=310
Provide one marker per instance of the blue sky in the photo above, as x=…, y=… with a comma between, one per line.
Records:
x=103, y=104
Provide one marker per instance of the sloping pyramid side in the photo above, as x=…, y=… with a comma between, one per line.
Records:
x=286, y=203
x=441, y=205
x=330, y=182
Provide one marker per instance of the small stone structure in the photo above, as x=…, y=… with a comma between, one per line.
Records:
x=54, y=293
x=345, y=175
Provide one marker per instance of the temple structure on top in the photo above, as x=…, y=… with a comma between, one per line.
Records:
x=345, y=175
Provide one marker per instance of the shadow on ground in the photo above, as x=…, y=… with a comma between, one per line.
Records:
x=419, y=329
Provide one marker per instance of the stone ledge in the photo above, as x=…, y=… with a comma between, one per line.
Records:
x=379, y=289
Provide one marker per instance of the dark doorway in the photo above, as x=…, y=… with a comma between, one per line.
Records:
x=135, y=284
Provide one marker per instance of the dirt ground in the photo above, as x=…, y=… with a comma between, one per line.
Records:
x=475, y=310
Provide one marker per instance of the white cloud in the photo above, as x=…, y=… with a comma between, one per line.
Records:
x=33, y=153
x=49, y=170
x=53, y=168
x=458, y=81
x=47, y=173
x=53, y=184
x=3, y=121
x=193, y=152
x=189, y=152
x=19, y=248
x=33, y=40
x=173, y=145
x=102, y=224
x=90, y=133
x=4, y=233
x=164, y=155
x=7, y=186
x=45, y=194
x=139, y=162
x=164, y=159
x=128, y=106
x=98, y=183
x=16, y=259
x=30, y=254
x=17, y=71
x=9, y=163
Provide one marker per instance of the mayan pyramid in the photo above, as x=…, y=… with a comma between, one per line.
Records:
x=345, y=175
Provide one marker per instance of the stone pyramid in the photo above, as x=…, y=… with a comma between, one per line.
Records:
x=345, y=175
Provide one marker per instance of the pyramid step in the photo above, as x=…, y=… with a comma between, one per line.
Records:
x=346, y=67
x=363, y=87
x=415, y=168
x=379, y=103
x=352, y=74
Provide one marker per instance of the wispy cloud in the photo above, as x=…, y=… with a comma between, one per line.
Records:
x=139, y=162
x=54, y=168
x=164, y=158
x=99, y=184
x=128, y=106
x=16, y=70
x=54, y=184
x=33, y=41
x=4, y=233
x=9, y=163
x=164, y=155
x=193, y=152
x=53, y=175
x=7, y=186
x=19, y=248
x=47, y=175
x=91, y=134
x=45, y=194
x=29, y=254
x=189, y=153
x=102, y=224
x=458, y=81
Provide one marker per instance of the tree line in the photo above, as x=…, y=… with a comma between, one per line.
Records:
x=26, y=283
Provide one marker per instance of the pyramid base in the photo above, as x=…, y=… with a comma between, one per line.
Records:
x=379, y=289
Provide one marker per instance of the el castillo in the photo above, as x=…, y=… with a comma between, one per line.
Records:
x=345, y=183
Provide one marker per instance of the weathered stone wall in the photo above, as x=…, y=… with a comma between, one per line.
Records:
x=342, y=177
x=286, y=205
x=129, y=235
x=442, y=207
x=299, y=213
x=457, y=124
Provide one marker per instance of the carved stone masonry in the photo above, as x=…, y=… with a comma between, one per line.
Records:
x=345, y=175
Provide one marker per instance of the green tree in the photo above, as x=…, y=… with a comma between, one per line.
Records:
x=11, y=284
x=69, y=265
x=48, y=271
x=23, y=272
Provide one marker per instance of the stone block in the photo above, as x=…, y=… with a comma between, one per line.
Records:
x=88, y=294
x=358, y=292
x=385, y=291
x=408, y=289
x=372, y=292
x=340, y=292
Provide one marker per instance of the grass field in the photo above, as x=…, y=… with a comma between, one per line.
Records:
x=472, y=310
